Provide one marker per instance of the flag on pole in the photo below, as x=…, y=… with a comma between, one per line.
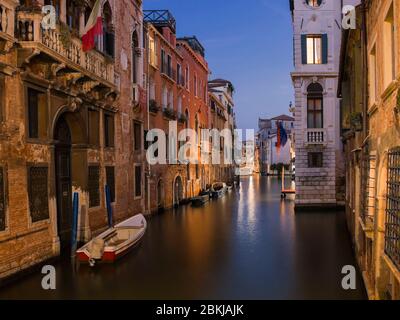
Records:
x=93, y=28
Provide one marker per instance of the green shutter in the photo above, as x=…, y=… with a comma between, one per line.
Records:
x=324, y=48
x=304, y=48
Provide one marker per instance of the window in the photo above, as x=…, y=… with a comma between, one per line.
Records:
x=163, y=61
x=315, y=159
x=373, y=85
x=171, y=100
x=314, y=3
x=368, y=178
x=94, y=121
x=110, y=180
x=135, y=58
x=37, y=114
x=392, y=232
x=2, y=201
x=179, y=106
x=195, y=85
x=314, y=49
x=73, y=14
x=187, y=78
x=109, y=131
x=389, y=61
x=94, y=186
x=153, y=52
x=137, y=136
x=315, y=106
x=165, y=98
x=138, y=181
x=38, y=193
x=108, y=32
x=179, y=77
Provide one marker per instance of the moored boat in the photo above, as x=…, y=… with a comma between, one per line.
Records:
x=200, y=200
x=218, y=190
x=115, y=242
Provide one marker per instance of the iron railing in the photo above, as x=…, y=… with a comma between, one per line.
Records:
x=392, y=232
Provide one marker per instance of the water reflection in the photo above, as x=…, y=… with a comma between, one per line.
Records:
x=248, y=245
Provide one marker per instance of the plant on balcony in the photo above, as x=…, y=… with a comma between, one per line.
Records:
x=356, y=121
x=169, y=113
x=65, y=35
x=153, y=107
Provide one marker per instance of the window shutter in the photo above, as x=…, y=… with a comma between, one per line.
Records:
x=324, y=48
x=304, y=48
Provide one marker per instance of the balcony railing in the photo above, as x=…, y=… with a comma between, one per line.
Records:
x=316, y=137
x=7, y=17
x=30, y=32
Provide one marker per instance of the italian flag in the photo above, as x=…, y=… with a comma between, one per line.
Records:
x=93, y=28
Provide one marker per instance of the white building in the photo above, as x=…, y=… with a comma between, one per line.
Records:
x=317, y=41
x=268, y=139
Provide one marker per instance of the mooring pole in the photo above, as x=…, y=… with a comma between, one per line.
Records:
x=74, y=239
x=109, y=207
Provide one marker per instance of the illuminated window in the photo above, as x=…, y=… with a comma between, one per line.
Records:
x=389, y=61
x=373, y=84
x=314, y=50
x=314, y=3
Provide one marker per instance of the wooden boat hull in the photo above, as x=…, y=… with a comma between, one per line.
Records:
x=130, y=231
x=200, y=201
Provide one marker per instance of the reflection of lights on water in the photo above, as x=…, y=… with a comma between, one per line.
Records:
x=247, y=210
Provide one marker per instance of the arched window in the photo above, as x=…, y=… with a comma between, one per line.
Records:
x=108, y=32
x=73, y=14
x=179, y=105
x=315, y=106
x=187, y=118
x=135, y=56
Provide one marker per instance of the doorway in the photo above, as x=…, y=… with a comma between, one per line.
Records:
x=62, y=137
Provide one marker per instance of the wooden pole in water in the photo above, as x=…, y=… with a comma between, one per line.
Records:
x=75, y=212
x=283, y=178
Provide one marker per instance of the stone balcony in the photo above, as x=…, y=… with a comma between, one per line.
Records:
x=66, y=50
x=7, y=19
x=314, y=137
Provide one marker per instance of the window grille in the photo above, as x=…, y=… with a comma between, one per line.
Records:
x=368, y=185
x=392, y=232
x=38, y=193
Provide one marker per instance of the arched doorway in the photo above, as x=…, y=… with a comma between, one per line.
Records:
x=62, y=137
x=178, y=191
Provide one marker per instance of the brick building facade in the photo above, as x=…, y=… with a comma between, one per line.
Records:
x=66, y=126
x=370, y=95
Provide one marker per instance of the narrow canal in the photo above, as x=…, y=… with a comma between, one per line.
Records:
x=248, y=245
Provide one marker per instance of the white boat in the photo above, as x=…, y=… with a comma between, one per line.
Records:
x=115, y=242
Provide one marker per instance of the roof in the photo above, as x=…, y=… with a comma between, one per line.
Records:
x=220, y=81
x=283, y=117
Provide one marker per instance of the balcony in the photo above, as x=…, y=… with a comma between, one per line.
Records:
x=63, y=47
x=7, y=18
x=316, y=137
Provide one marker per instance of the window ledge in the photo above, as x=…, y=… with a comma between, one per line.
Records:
x=389, y=90
x=372, y=109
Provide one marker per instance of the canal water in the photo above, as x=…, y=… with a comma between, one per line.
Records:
x=248, y=245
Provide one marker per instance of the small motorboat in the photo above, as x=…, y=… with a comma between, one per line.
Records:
x=114, y=243
x=200, y=200
x=218, y=190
